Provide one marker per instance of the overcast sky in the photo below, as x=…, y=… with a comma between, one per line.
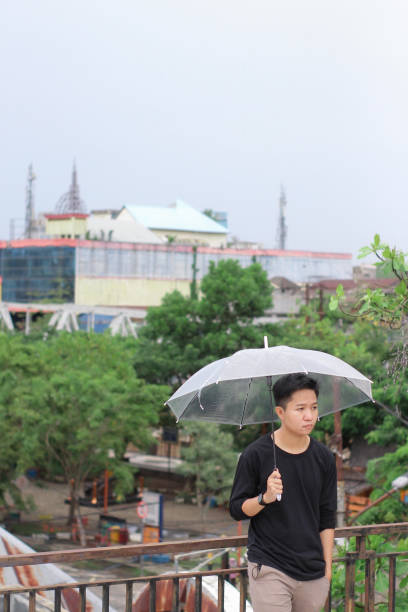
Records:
x=216, y=102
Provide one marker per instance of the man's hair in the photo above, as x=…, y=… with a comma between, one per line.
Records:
x=286, y=385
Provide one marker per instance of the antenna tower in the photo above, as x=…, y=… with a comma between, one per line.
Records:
x=71, y=202
x=282, y=227
x=29, y=212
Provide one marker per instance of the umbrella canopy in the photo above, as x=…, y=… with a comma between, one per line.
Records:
x=236, y=389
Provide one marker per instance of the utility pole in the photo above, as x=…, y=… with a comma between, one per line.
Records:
x=193, y=284
x=29, y=213
x=338, y=441
x=282, y=227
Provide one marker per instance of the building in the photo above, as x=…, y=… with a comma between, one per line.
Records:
x=66, y=225
x=125, y=274
x=177, y=223
x=112, y=226
x=288, y=297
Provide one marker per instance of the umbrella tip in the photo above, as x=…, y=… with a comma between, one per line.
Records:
x=265, y=341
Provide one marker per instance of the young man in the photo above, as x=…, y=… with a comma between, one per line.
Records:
x=290, y=541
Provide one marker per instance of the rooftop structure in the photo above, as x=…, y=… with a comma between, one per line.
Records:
x=282, y=227
x=29, y=215
x=71, y=201
x=110, y=225
x=179, y=222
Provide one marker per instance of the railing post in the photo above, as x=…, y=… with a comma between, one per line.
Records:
x=198, y=593
x=82, y=598
x=129, y=596
x=31, y=602
x=105, y=598
x=221, y=593
x=6, y=602
x=391, y=584
x=176, y=595
x=360, y=545
x=152, y=598
x=369, y=581
x=57, y=600
x=242, y=591
x=350, y=581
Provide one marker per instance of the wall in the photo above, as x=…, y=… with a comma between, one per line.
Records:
x=175, y=261
x=69, y=228
x=142, y=292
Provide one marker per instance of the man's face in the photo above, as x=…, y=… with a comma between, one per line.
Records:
x=301, y=412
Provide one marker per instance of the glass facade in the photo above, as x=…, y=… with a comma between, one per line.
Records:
x=38, y=274
x=46, y=271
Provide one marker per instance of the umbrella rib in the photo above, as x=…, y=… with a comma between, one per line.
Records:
x=351, y=383
x=245, y=404
x=185, y=409
x=197, y=393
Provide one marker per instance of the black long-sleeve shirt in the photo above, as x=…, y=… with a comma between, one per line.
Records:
x=286, y=534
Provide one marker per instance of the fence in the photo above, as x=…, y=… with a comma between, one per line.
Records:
x=361, y=554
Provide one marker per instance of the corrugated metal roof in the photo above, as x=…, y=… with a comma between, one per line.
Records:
x=177, y=216
x=38, y=575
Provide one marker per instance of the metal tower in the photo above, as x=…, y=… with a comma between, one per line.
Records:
x=71, y=202
x=282, y=227
x=29, y=212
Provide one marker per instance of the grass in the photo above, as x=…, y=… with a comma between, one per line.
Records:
x=24, y=529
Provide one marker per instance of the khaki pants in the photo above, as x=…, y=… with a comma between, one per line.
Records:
x=274, y=591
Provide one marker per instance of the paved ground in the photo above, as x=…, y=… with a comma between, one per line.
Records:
x=49, y=504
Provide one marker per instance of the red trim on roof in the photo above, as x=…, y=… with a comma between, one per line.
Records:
x=44, y=242
x=184, y=248
x=67, y=216
x=175, y=248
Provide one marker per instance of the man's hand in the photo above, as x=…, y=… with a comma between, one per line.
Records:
x=274, y=487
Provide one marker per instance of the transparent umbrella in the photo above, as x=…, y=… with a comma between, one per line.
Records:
x=237, y=390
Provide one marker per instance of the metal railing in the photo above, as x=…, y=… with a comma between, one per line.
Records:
x=360, y=554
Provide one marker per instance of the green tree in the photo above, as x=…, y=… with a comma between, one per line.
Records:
x=84, y=406
x=380, y=473
x=386, y=310
x=208, y=212
x=380, y=544
x=389, y=308
x=183, y=334
x=210, y=461
x=17, y=365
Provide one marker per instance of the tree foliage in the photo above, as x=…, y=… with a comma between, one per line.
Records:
x=381, y=544
x=17, y=365
x=210, y=460
x=183, y=334
x=380, y=473
x=388, y=308
x=75, y=398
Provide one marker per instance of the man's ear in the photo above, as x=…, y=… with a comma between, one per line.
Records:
x=279, y=411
